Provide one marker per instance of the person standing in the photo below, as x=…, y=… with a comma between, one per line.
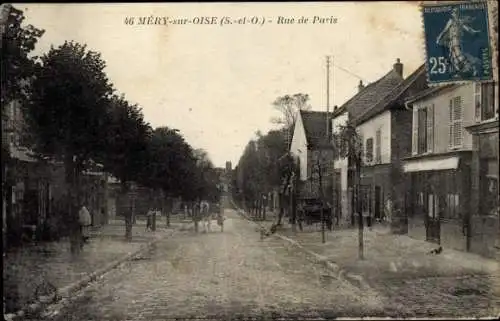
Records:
x=84, y=222
x=149, y=220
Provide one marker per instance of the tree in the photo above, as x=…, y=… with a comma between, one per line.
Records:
x=126, y=143
x=289, y=106
x=348, y=143
x=67, y=114
x=171, y=166
x=16, y=71
x=17, y=43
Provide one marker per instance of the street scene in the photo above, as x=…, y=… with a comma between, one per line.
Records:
x=250, y=162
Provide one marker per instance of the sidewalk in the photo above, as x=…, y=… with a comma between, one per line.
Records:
x=401, y=269
x=414, y=282
x=26, y=268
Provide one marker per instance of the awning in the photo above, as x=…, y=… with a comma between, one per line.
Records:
x=420, y=165
x=21, y=154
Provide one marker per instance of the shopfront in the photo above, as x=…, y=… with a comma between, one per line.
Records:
x=485, y=219
x=439, y=199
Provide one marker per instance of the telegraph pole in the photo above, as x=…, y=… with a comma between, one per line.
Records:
x=327, y=140
x=327, y=96
x=334, y=208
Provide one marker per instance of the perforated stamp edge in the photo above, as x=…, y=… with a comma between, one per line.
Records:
x=494, y=53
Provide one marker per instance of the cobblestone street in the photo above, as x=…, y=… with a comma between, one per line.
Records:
x=219, y=275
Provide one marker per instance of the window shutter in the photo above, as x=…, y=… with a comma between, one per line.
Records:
x=477, y=101
x=450, y=109
x=457, y=125
x=378, y=139
x=430, y=128
x=414, y=144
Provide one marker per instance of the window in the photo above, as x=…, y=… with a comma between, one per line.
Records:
x=369, y=150
x=484, y=99
x=452, y=209
x=455, y=122
x=378, y=139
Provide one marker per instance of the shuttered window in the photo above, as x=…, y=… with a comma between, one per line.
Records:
x=477, y=101
x=430, y=128
x=422, y=130
x=455, y=122
x=488, y=101
x=369, y=150
x=378, y=151
x=414, y=144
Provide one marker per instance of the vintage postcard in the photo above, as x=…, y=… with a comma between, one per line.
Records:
x=250, y=161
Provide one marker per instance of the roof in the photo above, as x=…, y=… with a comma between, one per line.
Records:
x=429, y=91
x=372, y=92
x=315, y=127
x=392, y=97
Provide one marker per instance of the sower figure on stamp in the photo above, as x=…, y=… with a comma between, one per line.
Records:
x=451, y=38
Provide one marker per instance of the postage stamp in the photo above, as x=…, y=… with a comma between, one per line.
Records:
x=457, y=42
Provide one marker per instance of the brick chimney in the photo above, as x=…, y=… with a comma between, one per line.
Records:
x=360, y=86
x=398, y=67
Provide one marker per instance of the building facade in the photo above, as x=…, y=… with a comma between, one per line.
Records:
x=385, y=129
x=313, y=154
x=440, y=165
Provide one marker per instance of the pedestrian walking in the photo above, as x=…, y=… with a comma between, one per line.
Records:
x=221, y=219
x=84, y=222
x=388, y=211
x=149, y=220
x=206, y=215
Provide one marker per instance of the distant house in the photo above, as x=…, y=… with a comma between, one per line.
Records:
x=454, y=167
x=341, y=194
x=360, y=104
x=309, y=146
x=386, y=130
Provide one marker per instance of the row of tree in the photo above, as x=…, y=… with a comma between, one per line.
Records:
x=74, y=115
x=266, y=165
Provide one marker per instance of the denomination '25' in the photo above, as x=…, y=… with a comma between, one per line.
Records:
x=438, y=65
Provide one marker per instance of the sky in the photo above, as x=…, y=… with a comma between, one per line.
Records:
x=216, y=83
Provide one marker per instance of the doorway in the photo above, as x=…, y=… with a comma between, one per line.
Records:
x=433, y=226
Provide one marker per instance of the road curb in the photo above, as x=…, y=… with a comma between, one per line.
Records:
x=342, y=274
x=65, y=292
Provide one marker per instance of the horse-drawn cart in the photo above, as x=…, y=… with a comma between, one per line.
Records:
x=311, y=210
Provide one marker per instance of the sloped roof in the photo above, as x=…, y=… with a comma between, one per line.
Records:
x=384, y=103
x=372, y=93
x=315, y=127
x=428, y=92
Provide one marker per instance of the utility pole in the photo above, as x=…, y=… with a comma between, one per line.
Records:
x=334, y=209
x=327, y=96
x=321, y=159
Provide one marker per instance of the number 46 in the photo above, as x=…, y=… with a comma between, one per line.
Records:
x=438, y=65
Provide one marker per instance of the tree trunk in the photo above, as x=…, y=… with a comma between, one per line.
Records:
x=195, y=217
x=128, y=209
x=293, y=209
x=281, y=212
x=167, y=210
x=73, y=180
x=358, y=209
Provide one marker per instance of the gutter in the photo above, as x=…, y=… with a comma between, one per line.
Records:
x=407, y=105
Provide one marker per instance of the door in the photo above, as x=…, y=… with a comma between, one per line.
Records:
x=378, y=202
x=433, y=227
